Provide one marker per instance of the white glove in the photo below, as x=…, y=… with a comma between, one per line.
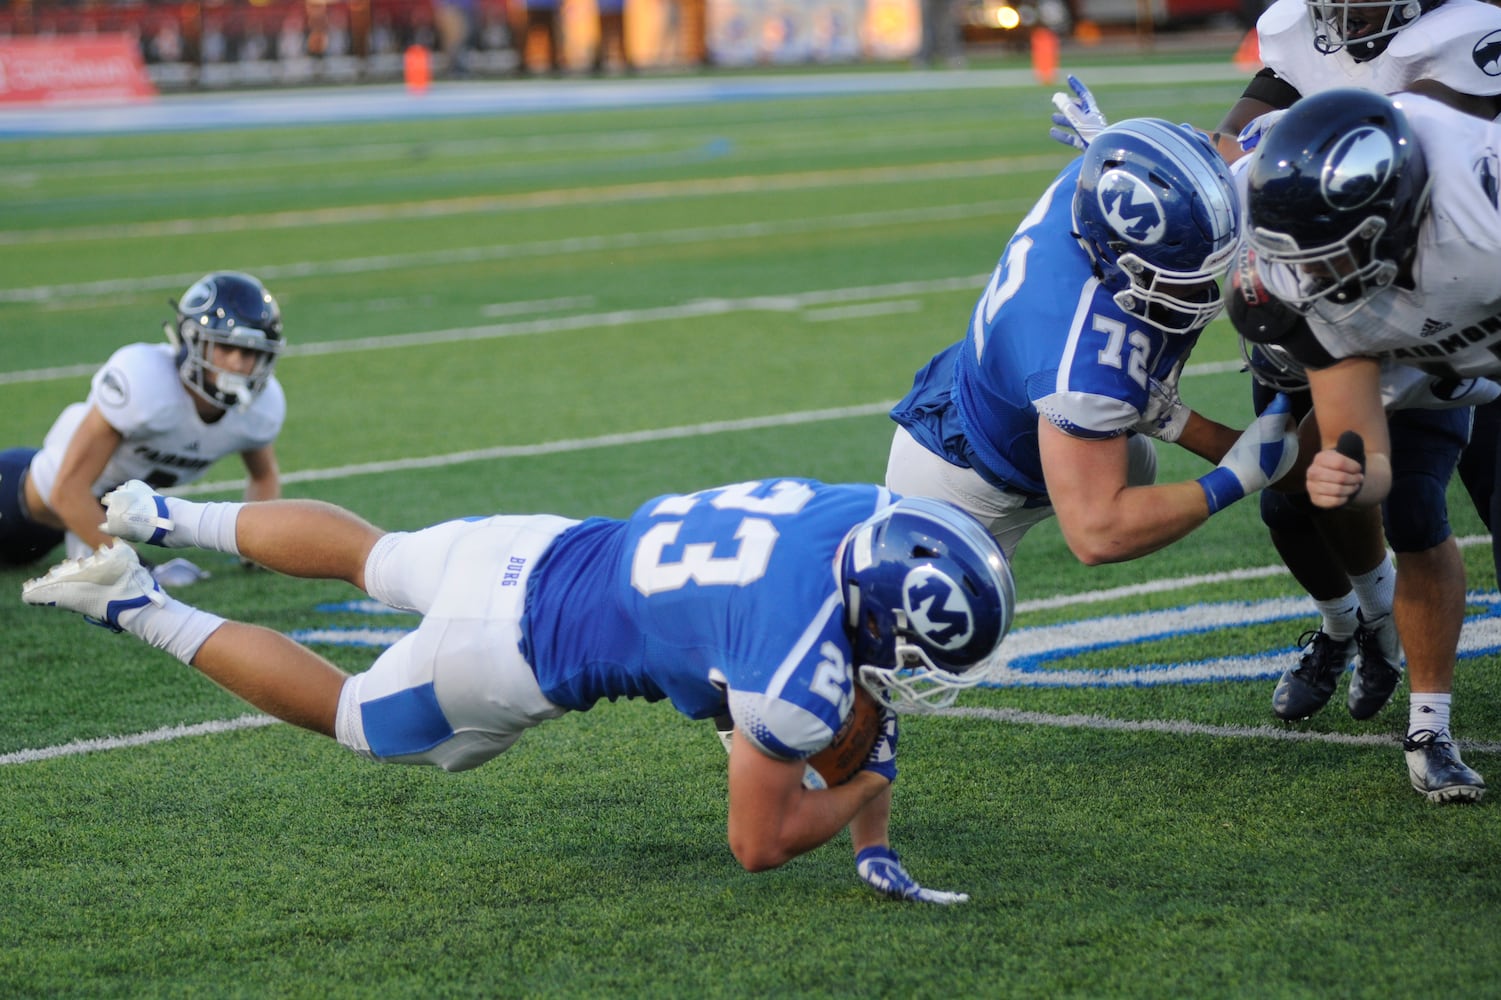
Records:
x=1078, y=119
x=1165, y=415
x=1257, y=128
x=1262, y=455
x=882, y=870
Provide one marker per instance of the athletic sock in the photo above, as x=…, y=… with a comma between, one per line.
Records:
x=1339, y=616
x=1377, y=589
x=178, y=628
x=1429, y=712
x=204, y=525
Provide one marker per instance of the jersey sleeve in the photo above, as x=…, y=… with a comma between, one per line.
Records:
x=136, y=391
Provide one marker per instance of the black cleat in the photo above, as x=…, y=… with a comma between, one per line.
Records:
x=1379, y=668
x=1436, y=771
x=1306, y=688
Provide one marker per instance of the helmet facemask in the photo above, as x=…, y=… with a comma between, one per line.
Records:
x=1333, y=281
x=226, y=309
x=1364, y=27
x=928, y=598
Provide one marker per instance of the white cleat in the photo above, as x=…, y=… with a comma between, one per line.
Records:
x=136, y=513
x=101, y=587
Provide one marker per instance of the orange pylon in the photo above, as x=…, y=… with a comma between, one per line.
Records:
x=417, y=69
x=1248, y=56
x=1045, y=55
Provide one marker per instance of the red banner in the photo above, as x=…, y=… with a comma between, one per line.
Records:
x=77, y=68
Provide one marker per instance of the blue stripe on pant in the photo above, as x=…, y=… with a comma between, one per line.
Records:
x=406, y=722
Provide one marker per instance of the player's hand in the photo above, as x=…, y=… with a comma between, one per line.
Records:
x=1336, y=474
x=1257, y=128
x=1078, y=119
x=1165, y=415
x=1262, y=455
x=882, y=756
x=882, y=870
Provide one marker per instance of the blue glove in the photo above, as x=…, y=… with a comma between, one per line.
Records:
x=1078, y=119
x=1262, y=455
x=882, y=870
x=882, y=756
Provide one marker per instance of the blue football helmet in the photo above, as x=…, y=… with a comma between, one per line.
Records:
x=1364, y=27
x=1336, y=194
x=1157, y=211
x=928, y=598
x=231, y=309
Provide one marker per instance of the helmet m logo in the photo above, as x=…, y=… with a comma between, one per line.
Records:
x=1131, y=207
x=1357, y=168
x=200, y=296
x=937, y=608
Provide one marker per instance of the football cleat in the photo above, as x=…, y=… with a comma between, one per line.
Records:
x=101, y=587
x=136, y=513
x=1436, y=771
x=1306, y=688
x=1378, y=669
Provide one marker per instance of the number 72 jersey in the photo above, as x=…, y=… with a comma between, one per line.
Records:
x=724, y=597
x=1047, y=338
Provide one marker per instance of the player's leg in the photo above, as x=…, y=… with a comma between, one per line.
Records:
x=22, y=540
x=1315, y=553
x=265, y=668
x=1480, y=471
x=457, y=691
x=304, y=538
x=1430, y=603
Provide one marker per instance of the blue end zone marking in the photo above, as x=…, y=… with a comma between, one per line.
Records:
x=406, y=722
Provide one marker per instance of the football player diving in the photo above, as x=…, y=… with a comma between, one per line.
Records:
x=770, y=601
x=1073, y=353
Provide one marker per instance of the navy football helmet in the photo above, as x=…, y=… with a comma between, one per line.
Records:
x=1364, y=27
x=1336, y=194
x=1157, y=210
x=235, y=310
x=928, y=598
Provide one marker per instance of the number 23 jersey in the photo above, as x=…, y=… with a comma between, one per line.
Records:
x=725, y=596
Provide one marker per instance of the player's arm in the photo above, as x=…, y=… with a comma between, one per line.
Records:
x=264, y=475
x=773, y=818
x=1347, y=397
x=1104, y=519
x=72, y=502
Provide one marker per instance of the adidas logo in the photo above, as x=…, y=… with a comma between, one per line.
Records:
x=1432, y=326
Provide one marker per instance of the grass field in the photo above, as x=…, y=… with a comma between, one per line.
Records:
x=571, y=313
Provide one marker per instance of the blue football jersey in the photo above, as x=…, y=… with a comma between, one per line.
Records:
x=1045, y=338
x=723, y=598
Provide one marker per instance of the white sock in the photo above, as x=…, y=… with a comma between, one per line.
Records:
x=1429, y=712
x=175, y=627
x=204, y=525
x=1339, y=616
x=1377, y=589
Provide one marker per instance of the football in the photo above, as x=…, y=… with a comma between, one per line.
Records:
x=837, y=763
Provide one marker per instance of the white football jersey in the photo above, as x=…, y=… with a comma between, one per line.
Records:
x=166, y=443
x=1449, y=323
x=1457, y=44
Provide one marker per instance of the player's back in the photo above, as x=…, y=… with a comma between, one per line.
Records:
x=728, y=588
x=1047, y=337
